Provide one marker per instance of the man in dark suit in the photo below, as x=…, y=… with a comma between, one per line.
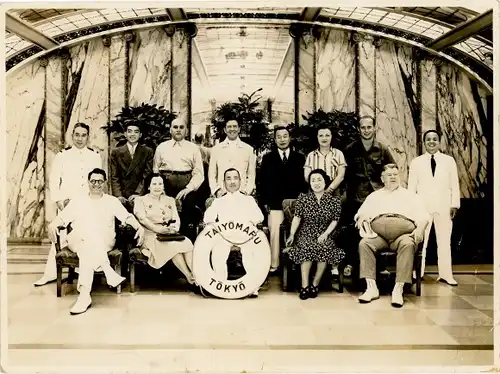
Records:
x=130, y=164
x=282, y=174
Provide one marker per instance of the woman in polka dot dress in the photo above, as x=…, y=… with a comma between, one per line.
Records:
x=316, y=217
x=154, y=210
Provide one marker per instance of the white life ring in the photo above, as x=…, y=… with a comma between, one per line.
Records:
x=215, y=242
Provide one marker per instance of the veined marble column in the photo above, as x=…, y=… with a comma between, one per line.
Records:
x=366, y=74
x=335, y=71
x=25, y=95
x=53, y=123
x=181, y=72
x=396, y=102
x=150, y=68
x=305, y=71
x=117, y=78
x=91, y=102
x=428, y=95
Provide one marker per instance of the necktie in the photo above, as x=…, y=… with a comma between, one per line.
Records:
x=284, y=158
x=433, y=165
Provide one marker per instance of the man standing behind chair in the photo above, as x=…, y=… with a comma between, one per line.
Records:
x=232, y=153
x=68, y=179
x=180, y=162
x=130, y=165
x=434, y=177
x=282, y=178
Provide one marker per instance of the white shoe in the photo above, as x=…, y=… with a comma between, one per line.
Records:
x=369, y=295
x=44, y=280
x=115, y=280
x=449, y=281
x=254, y=294
x=83, y=302
x=397, y=299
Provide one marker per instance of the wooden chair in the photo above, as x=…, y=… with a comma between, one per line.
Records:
x=65, y=258
x=290, y=275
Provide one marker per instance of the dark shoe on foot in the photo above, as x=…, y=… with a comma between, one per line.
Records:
x=304, y=293
x=313, y=291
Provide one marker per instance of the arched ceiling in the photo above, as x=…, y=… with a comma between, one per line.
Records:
x=243, y=49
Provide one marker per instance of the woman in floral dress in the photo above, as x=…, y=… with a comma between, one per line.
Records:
x=316, y=217
x=154, y=210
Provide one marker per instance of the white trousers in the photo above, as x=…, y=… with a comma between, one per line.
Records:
x=50, y=271
x=443, y=226
x=275, y=219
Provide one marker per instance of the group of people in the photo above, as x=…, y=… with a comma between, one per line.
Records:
x=161, y=193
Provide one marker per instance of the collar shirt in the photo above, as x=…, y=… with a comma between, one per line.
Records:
x=234, y=206
x=181, y=156
x=283, y=153
x=131, y=149
x=330, y=162
x=400, y=201
x=232, y=154
x=94, y=218
x=69, y=172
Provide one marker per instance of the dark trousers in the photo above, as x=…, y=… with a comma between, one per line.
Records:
x=190, y=213
x=349, y=234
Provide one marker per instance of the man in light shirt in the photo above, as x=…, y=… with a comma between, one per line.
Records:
x=68, y=179
x=234, y=205
x=180, y=162
x=434, y=177
x=232, y=153
x=392, y=217
x=92, y=217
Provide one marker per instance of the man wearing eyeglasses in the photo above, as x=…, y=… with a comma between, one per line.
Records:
x=68, y=179
x=92, y=217
x=181, y=163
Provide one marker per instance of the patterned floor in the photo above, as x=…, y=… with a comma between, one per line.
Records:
x=168, y=330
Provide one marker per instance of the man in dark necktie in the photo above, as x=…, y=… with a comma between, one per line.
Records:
x=434, y=177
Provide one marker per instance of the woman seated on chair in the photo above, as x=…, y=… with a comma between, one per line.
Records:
x=316, y=216
x=157, y=212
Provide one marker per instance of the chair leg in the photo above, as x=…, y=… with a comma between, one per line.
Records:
x=284, y=278
x=59, y=280
x=71, y=275
x=118, y=269
x=419, y=280
x=132, y=277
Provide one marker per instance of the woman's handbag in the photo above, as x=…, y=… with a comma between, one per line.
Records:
x=174, y=237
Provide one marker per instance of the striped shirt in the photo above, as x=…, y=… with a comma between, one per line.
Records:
x=330, y=162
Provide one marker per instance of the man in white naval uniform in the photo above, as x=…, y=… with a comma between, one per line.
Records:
x=68, y=179
x=434, y=177
x=233, y=205
x=92, y=216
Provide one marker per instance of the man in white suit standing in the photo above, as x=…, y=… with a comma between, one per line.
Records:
x=434, y=177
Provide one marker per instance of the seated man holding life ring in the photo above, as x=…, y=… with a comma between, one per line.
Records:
x=394, y=218
x=234, y=205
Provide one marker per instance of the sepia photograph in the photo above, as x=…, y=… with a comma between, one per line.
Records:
x=248, y=187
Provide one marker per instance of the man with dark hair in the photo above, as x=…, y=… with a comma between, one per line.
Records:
x=68, y=179
x=392, y=217
x=180, y=162
x=92, y=217
x=129, y=165
x=365, y=159
x=434, y=177
x=232, y=153
x=281, y=178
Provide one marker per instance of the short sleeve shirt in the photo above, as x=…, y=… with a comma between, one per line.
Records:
x=330, y=162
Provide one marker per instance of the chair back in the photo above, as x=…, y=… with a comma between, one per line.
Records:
x=289, y=209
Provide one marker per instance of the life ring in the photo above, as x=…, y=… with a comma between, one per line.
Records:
x=212, y=248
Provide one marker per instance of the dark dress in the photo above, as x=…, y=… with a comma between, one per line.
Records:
x=315, y=219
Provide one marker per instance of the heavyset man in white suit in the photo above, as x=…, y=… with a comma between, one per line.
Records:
x=434, y=177
x=68, y=179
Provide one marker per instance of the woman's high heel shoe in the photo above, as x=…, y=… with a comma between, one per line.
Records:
x=304, y=293
x=313, y=291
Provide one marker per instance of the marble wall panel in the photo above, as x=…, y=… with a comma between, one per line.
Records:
x=117, y=79
x=282, y=118
x=91, y=103
x=335, y=71
x=306, y=77
x=459, y=116
x=53, y=125
x=428, y=95
x=366, y=71
x=180, y=75
x=395, y=100
x=25, y=93
x=150, y=68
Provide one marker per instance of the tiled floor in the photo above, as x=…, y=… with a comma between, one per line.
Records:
x=170, y=330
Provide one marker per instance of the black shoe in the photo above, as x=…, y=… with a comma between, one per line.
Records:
x=304, y=293
x=313, y=291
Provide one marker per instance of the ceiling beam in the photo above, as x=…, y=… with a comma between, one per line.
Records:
x=307, y=15
x=462, y=31
x=28, y=32
x=178, y=15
